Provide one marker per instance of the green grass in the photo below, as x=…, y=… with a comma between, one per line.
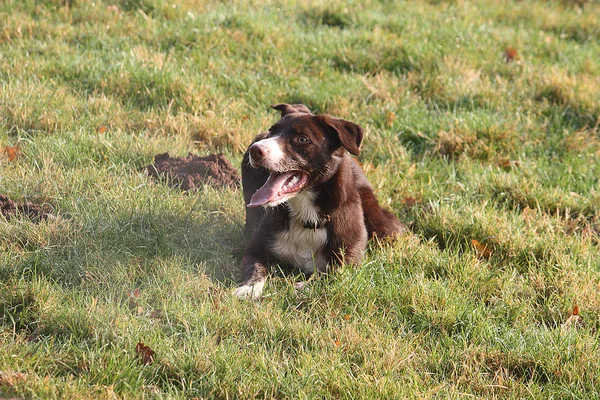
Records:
x=461, y=144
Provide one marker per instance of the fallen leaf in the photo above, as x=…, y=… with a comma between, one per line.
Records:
x=83, y=367
x=337, y=343
x=133, y=297
x=510, y=54
x=482, y=249
x=508, y=164
x=347, y=317
x=146, y=352
x=504, y=164
x=409, y=202
x=101, y=129
x=12, y=152
x=390, y=118
x=575, y=320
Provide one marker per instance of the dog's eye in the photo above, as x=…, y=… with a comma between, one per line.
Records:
x=302, y=139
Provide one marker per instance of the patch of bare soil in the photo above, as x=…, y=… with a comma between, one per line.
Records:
x=192, y=172
x=10, y=209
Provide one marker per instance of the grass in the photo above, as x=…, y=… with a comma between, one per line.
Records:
x=462, y=144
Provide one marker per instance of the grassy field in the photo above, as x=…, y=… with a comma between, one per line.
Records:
x=482, y=134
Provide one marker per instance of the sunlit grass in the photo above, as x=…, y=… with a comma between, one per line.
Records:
x=492, y=163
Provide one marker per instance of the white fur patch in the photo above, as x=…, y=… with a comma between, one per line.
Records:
x=273, y=151
x=302, y=207
x=298, y=245
x=250, y=291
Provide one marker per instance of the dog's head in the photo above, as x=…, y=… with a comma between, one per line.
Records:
x=300, y=151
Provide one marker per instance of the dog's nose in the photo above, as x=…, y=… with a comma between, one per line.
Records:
x=257, y=152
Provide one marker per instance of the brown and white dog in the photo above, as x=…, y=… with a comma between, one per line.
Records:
x=309, y=203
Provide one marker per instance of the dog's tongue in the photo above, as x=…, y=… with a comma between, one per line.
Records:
x=271, y=190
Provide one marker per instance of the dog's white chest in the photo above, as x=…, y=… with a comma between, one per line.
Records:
x=298, y=245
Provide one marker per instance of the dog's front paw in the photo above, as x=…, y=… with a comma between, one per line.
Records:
x=250, y=290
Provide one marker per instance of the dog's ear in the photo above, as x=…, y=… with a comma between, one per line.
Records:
x=349, y=133
x=291, y=109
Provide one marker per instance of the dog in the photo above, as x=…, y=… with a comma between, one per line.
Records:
x=308, y=202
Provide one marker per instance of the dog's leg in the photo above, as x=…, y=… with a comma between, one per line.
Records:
x=258, y=255
x=254, y=269
x=255, y=275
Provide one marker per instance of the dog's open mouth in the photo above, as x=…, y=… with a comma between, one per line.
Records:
x=279, y=187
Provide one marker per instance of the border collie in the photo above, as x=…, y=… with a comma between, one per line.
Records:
x=308, y=202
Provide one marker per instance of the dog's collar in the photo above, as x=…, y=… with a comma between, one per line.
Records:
x=318, y=224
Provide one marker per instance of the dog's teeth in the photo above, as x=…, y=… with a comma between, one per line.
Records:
x=293, y=181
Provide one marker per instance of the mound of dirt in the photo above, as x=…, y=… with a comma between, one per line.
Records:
x=9, y=209
x=192, y=172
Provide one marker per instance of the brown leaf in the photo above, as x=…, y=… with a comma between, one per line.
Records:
x=409, y=202
x=146, y=352
x=12, y=152
x=483, y=250
x=508, y=164
x=101, y=129
x=133, y=297
x=510, y=54
x=83, y=367
x=390, y=118
x=575, y=320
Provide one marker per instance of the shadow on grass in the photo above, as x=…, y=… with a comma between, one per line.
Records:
x=109, y=244
x=108, y=255
x=329, y=17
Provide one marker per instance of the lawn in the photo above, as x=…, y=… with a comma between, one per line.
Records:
x=482, y=135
